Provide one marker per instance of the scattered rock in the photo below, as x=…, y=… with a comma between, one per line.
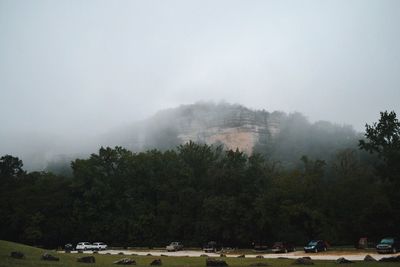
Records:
x=259, y=264
x=17, y=255
x=283, y=258
x=121, y=253
x=80, y=251
x=156, y=262
x=303, y=261
x=149, y=254
x=95, y=252
x=369, y=258
x=163, y=255
x=86, y=259
x=242, y=256
x=222, y=255
x=390, y=259
x=125, y=261
x=259, y=257
x=49, y=257
x=215, y=262
x=343, y=261
x=108, y=253
x=203, y=255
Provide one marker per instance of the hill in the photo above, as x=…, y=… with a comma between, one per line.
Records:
x=277, y=135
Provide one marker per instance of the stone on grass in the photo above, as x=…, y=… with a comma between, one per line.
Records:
x=222, y=255
x=121, y=253
x=390, y=259
x=303, y=261
x=156, y=262
x=259, y=257
x=125, y=261
x=369, y=258
x=343, y=261
x=149, y=254
x=242, y=256
x=203, y=255
x=17, y=255
x=86, y=259
x=48, y=257
x=163, y=255
x=215, y=262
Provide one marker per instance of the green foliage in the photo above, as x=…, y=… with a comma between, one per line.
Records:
x=197, y=193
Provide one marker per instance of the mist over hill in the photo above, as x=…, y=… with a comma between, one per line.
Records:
x=276, y=135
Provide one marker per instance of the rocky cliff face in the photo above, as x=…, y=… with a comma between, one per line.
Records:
x=233, y=126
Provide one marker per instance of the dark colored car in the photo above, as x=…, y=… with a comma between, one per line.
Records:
x=316, y=246
x=259, y=246
x=283, y=247
x=68, y=248
x=212, y=246
x=388, y=245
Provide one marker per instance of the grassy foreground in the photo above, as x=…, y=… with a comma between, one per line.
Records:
x=32, y=258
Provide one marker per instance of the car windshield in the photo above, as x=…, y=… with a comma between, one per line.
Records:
x=387, y=241
x=313, y=243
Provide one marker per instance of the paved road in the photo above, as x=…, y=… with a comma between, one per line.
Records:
x=330, y=255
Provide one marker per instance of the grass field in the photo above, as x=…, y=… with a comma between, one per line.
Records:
x=32, y=258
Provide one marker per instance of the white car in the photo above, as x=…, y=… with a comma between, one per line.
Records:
x=84, y=246
x=99, y=246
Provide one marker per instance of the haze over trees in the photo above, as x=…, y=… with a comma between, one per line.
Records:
x=199, y=192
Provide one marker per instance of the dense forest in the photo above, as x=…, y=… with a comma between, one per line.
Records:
x=198, y=192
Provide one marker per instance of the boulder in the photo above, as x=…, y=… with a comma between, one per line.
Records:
x=369, y=258
x=17, y=255
x=303, y=261
x=121, y=253
x=215, y=262
x=163, y=255
x=49, y=257
x=390, y=259
x=222, y=255
x=125, y=261
x=343, y=261
x=259, y=257
x=242, y=256
x=149, y=254
x=203, y=255
x=156, y=262
x=86, y=259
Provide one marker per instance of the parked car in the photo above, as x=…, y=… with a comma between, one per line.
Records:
x=174, y=246
x=283, y=247
x=84, y=246
x=68, y=247
x=99, y=246
x=388, y=245
x=316, y=246
x=259, y=246
x=212, y=246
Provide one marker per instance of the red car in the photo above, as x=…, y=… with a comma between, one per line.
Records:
x=283, y=247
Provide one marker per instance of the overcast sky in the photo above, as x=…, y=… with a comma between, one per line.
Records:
x=72, y=67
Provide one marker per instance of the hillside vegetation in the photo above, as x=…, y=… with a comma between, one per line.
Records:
x=197, y=193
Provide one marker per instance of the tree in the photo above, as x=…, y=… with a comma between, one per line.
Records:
x=10, y=166
x=383, y=138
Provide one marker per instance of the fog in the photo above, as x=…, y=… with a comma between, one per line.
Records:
x=71, y=71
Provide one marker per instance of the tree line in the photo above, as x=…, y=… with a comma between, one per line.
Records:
x=197, y=193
